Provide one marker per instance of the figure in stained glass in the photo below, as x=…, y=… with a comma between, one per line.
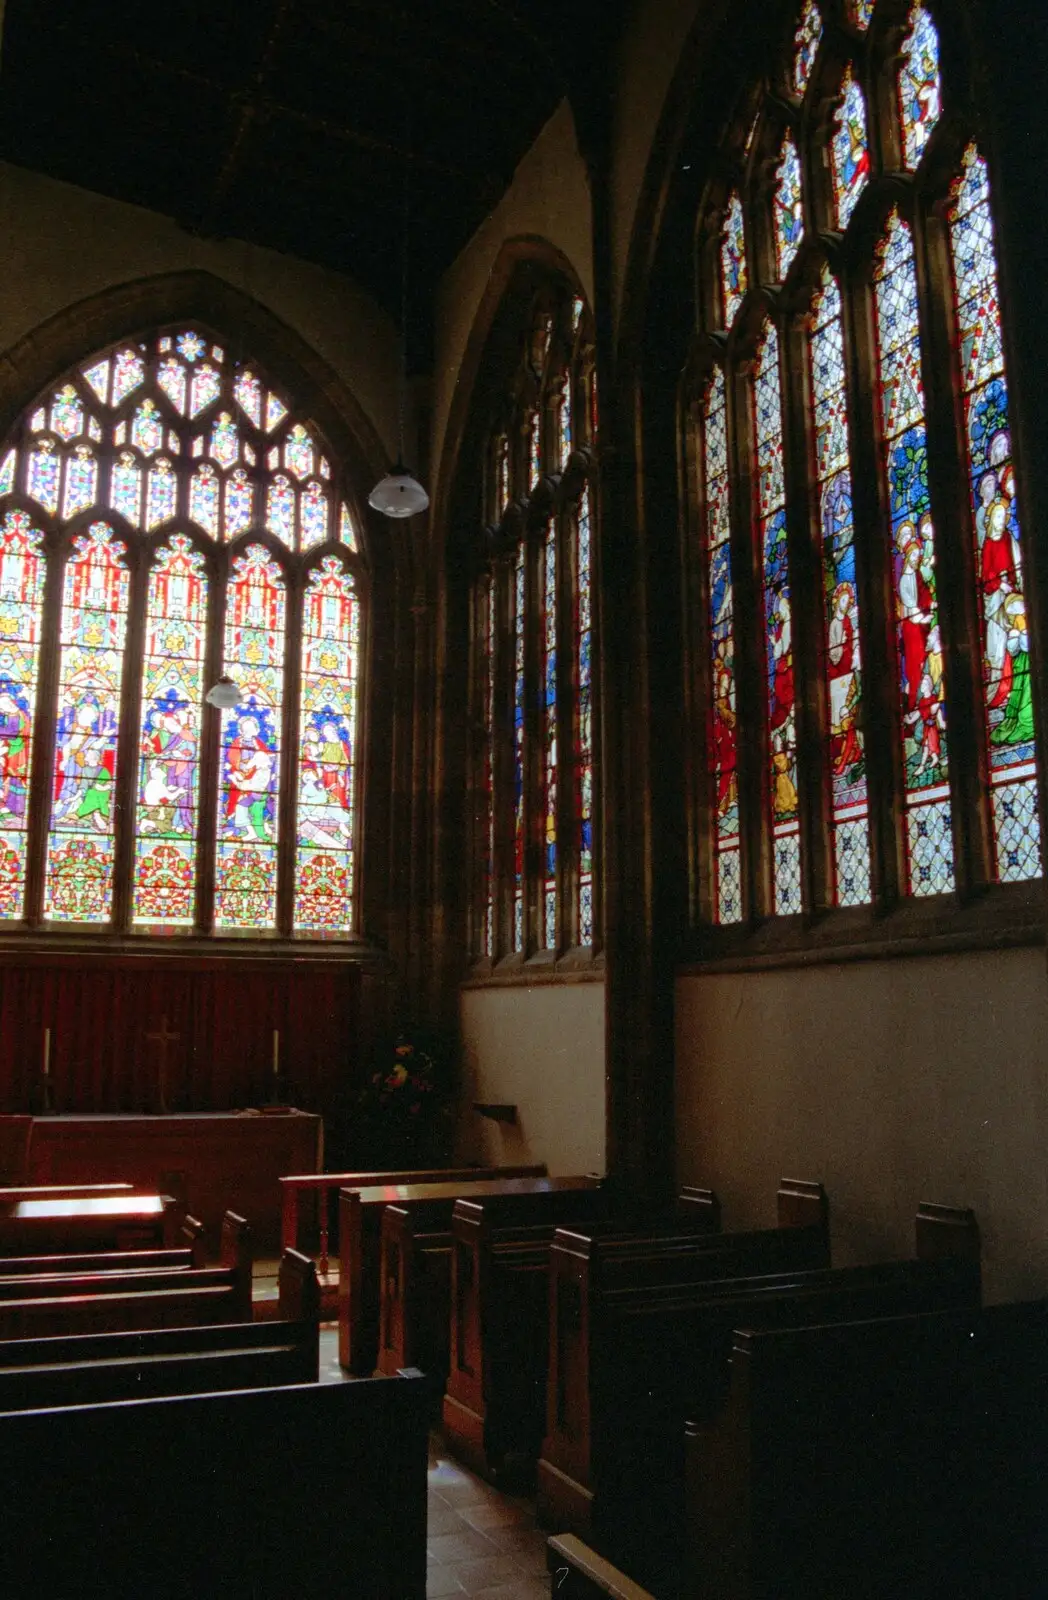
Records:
x=733, y=260
x=250, y=774
x=789, y=210
x=805, y=45
x=918, y=86
x=850, y=151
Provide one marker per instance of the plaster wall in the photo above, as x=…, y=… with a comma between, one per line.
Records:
x=63, y=244
x=541, y=1049
x=891, y=1082
x=549, y=198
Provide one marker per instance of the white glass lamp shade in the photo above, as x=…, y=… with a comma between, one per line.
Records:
x=398, y=494
x=224, y=694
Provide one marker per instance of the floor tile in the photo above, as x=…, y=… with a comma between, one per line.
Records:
x=527, y=1548
x=498, y=1513
x=486, y=1574
x=463, y=1546
x=441, y=1581
x=441, y=1518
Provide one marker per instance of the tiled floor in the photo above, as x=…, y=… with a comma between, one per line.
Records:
x=480, y=1542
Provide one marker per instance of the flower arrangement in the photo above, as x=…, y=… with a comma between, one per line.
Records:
x=403, y=1105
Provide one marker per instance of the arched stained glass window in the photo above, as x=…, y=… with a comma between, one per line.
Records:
x=927, y=794
x=850, y=835
x=584, y=733
x=999, y=556
x=550, y=764
x=327, y=760
x=852, y=743
x=723, y=733
x=778, y=628
x=519, y=619
x=79, y=881
x=21, y=602
x=133, y=476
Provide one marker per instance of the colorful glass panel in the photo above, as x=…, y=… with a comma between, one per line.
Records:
x=849, y=151
x=722, y=754
x=346, y=531
x=204, y=388
x=78, y=884
x=280, y=511
x=276, y=411
x=240, y=494
x=299, y=456
x=860, y=14
x=225, y=440
x=919, y=88
x=486, y=633
x=190, y=345
x=125, y=491
x=501, y=476
x=778, y=630
x=1007, y=690
x=171, y=376
x=789, y=208
x=246, y=868
x=169, y=749
x=98, y=377
x=847, y=753
x=161, y=493
x=7, y=472
x=324, y=883
x=733, y=260
x=43, y=475
x=147, y=431
x=550, y=764
x=67, y=413
x=584, y=725
x=534, y=449
x=314, y=515
x=248, y=392
x=927, y=795
x=566, y=423
x=128, y=372
x=518, y=751
x=81, y=482
x=805, y=46
x=203, y=499
x=21, y=602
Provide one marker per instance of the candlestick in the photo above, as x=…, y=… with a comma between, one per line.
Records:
x=47, y=1051
x=276, y=1052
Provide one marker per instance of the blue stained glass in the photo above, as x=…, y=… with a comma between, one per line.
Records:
x=550, y=706
x=722, y=758
x=81, y=482
x=806, y=45
x=733, y=260
x=43, y=475
x=920, y=92
x=789, y=211
x=584, y=729
x=850, y=151
x=239, y=498
x=204, y=499
x=518, y=751
x=125, y=493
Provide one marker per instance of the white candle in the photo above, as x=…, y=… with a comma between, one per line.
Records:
x=47, y=1051
x=276, y=1052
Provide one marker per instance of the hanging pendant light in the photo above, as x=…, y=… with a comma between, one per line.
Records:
x=399, y=493
x=224, y=694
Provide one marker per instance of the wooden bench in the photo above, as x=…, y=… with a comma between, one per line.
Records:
x=277, y=1492
x=589, y=1265
x=662, y=1355
x=49, y=1305
x=322, y=1185
x=578, y=1573
x=360, y=1233
x=494, y=1407
x=903, y=1456
x=191, y=1253
x=58, y=1223
x=91, y=1368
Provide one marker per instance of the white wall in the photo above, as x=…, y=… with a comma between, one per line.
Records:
x=541, y=1049
x=62, y=244
x=890, y=1081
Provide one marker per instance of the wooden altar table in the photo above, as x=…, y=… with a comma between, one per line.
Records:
x=214, y=1161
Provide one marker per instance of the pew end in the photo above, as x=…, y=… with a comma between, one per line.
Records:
x=800, y=1204
x=235, y=1253
x=192, y=1237
x=943, y=1231
x=701, y=1206
x=578, y=1573
x=298, y=1288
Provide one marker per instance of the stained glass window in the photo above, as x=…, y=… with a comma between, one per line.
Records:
x=125, y=494
x=501, y=476
x=346, y=531
x=239, y=499
x=67, y=413
x=44, y=468
x=518, y=751
x=147, y=431
x=81, y=482
x=778, y=630
x=860, y=14
x=534, y=449
x=929, y=831
x=204, y=499
x=849, y=150
x=128, y=372
x=566, y=424
x=733, y=261
x=584, y=730
x=550, y=765
x=486, y=635
x=314, y=515
x=280, y=510
x=169, y=755
x=298, y=452
x=327, y=759
x=723, y=719
x=805, y=46
x=225, y=441
x=847, y=755
x=789, y=210
x=79, y=875
x=172, y=378
x=246, y=869
x=919, y=87
x=205, y=384
x=1000, y=568
x=21, y=601
x=248, y=392
x=7, y=472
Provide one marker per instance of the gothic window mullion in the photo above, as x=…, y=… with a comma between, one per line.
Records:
x=807, y=605
x=504, y=798
x=129, y=742
x=56, y=547
x=290, y=752
x=567, y=703
x=701, y=768
x=958, y=610
x=210, y=735
x=534, y=743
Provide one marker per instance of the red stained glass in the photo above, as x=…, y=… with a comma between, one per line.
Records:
x=21, y=602
x=723, y=717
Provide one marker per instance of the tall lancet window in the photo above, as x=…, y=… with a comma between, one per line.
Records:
x=723, y=733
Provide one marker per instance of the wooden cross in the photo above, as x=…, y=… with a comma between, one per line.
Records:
x=162, y=1038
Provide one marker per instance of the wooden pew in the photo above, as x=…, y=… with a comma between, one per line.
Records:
x=578, y=1573
x=191, y=1253
x=663, y=1355
x=494, y=1407
x=323, y=1185
x=91, y=1368
x=360, y=1227
x=41, y=1305
x=415, y=1277
x=263, y=1492
x=51, y=1224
